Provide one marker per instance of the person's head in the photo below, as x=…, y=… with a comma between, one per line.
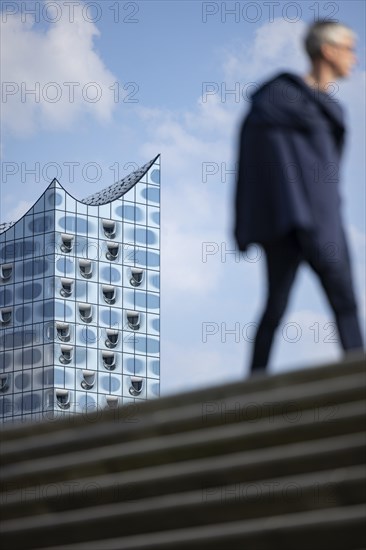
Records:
x=333, y=44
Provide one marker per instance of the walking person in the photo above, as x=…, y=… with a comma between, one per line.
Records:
x=287, y=194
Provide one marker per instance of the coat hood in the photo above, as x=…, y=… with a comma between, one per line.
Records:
x=286, y=100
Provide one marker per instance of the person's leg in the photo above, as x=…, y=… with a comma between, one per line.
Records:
x=332, y=265
x=282, y=260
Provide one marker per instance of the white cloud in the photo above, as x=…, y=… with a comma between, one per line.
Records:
x=16, y=213
x=276, y=46
x=44, y=60
x=184, y=139
x=192, y=215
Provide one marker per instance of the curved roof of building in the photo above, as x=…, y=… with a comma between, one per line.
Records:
x=109, y=194
x=118, y=189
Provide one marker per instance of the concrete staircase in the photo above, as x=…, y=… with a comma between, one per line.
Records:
x=274, y=462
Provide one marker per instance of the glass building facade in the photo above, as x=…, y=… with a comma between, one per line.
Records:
x=80, y=300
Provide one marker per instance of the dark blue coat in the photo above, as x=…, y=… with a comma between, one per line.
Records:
x=291, y=143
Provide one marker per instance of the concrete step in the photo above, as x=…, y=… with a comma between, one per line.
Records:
x=331, y=528
x=250, y=402
x=344, y=418
x=354, y=363
x=271, y=463
x=128, y=486
x=281, y=496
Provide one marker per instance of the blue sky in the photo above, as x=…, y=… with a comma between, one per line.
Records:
x=138, y=73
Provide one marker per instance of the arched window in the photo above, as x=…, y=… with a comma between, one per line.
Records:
x=112, y=401
x=137, y=276
x=109, y=228
x=86, y=268
x=63, y=398
x=133, y=319
x=6, y=271
x=112, y=251
x=136, y=385
x=67, y=242
x=66, y=354
x=63, y=331
x=109, y=360
x=85, y=311
x=109, y=294
x=66, y=287
x=88, y=380
x=112, y=338
x=5, y=315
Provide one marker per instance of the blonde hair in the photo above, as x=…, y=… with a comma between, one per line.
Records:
x=322, y=32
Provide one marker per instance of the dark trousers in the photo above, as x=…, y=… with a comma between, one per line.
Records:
x=331, y=265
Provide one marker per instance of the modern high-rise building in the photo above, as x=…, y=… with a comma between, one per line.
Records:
x=80, y=300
